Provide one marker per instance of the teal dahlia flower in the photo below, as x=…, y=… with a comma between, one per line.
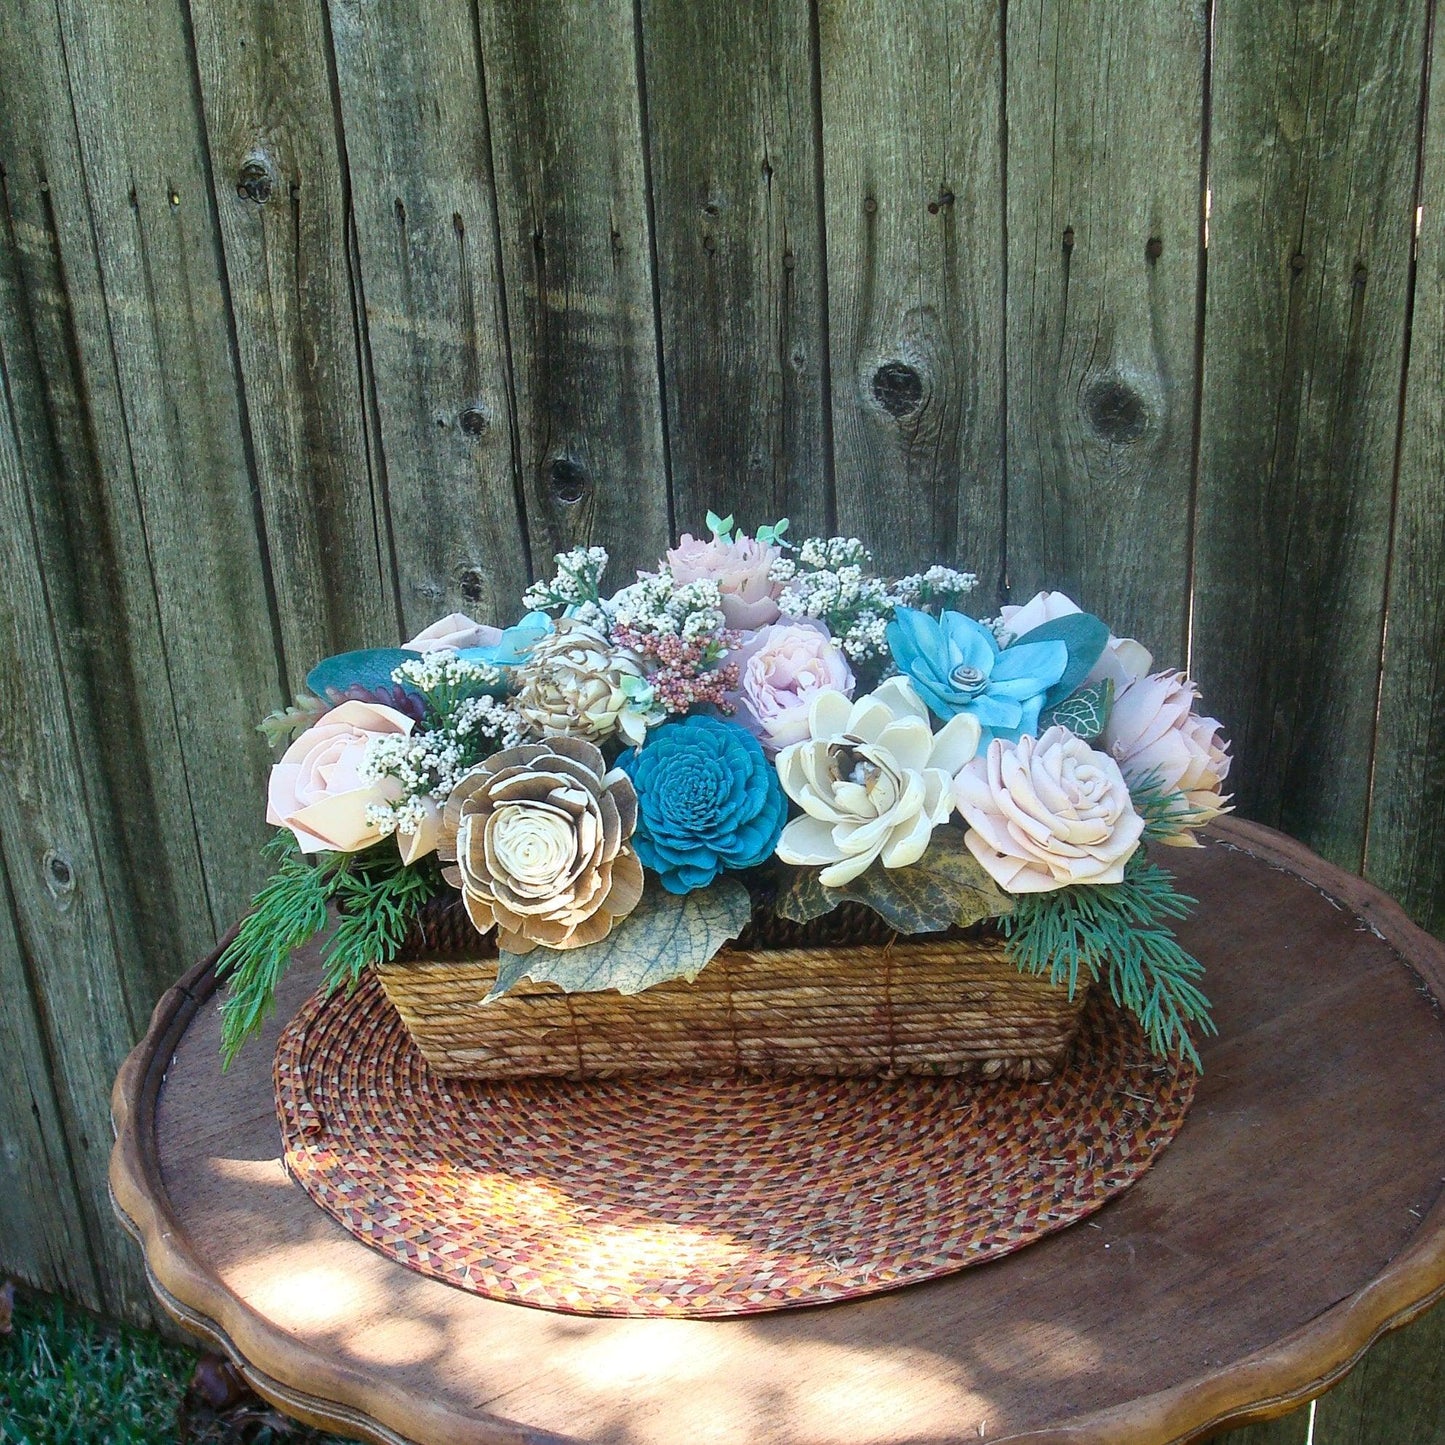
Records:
x=957, y=667
x=707, y=800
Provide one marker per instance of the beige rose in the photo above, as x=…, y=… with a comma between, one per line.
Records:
x=454, y=631
x=1154, y=733
x=537, y=834
x=1123, y=659
x=740, y=568
x=872, y=779
x=571, y=685
x=317, y=790
x=1047, y=812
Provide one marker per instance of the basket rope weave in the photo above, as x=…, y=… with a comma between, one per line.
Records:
x=842, y=995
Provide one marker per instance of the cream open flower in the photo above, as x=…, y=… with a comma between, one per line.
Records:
x=1047, y=812
x=573, y=682
x=538, y=837
x=317, y=789
x=1154, y=733
x=872, y=779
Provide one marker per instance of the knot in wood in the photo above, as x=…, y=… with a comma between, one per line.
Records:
x=897, y=388
x=1068, y=239
x=569, y=480
x=59, y=875
x=1154, y=248
x=255, y=181
x=472, y=583
x=1116, y=412
x=473, y=421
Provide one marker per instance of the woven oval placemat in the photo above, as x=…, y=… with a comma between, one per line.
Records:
x=698, y=1197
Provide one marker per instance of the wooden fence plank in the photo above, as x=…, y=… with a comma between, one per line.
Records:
x=61, y=859
x=1395, y=1395
x=1406, y=847
x=1291, y=1429
x=415, y=136
x=282, y=204
x=55, y=310
x=1313, y=175
x=732, y=132
x=911, y=102
x=1105, y=133
x=43, y=1239
x=576, y=250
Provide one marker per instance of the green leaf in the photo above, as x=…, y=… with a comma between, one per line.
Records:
x=1086, y=713
x=668, y=935
x=946, y=888
x=369, y=669
x=1085, y=637
x=284, y=725
x=720, y=527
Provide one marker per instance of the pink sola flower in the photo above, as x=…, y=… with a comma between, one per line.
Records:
x=681, y=678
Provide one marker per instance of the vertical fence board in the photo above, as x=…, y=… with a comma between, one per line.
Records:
x=911, y=98
x=732, y=131
x=415, y=133
x=58, y=848
x=576, y=248
x=54, y=291
x=282, y=205
x=43, y=1238
x=1105, y=130
x=1406, y=848
x=1395, y=1395
x=1313, y=174
x=1291, y=1429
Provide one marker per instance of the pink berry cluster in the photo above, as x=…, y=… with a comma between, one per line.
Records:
x=682, y=675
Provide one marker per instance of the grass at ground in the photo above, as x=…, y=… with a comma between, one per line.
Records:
x=68, y=1379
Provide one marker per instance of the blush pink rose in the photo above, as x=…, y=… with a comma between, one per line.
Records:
x=1154, y=733
x=455, y=631
x=1123, y=659
x=740, y=569
x=317, y=791
x=781, y=669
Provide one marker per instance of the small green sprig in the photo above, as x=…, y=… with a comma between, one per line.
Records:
x=1117, y=932
x=376, y=896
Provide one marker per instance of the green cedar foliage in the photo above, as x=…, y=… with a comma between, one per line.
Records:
x=1117, y=932
x=376, y=898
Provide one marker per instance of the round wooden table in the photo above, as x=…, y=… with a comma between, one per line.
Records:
x=1296, y=1217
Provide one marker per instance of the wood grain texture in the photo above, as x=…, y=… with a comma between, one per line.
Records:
x=1396, y=1396
x=1312, y=169
x=569, y=155
x=732, y=136
x=281, y=197
x=1406, y=846
x=1291, y=1429
x=165, y=331
x=411, y=95
x=911, y=105
x=1323, y=1098
x=1105, y=136
x=43, y=1237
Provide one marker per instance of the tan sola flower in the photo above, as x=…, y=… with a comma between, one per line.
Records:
x=572, y=685
x=538, y=836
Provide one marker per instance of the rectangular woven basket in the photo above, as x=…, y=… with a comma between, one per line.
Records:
x=840, y=996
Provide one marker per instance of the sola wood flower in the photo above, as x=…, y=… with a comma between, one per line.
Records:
x=1047, y=812
x=573, y=684
x=740, y=566
x=872, y=780
x=537, y=834
x=1155, y=736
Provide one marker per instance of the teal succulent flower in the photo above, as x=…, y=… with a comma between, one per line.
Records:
x=707, y=800
x=957, y=666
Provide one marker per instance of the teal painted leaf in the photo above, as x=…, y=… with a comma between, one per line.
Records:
x=668, y=935
x=1086, y=713
x=368, y=670
x=1085, y=637
x=946, y=888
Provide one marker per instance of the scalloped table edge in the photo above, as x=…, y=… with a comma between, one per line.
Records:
x=1262, y=1386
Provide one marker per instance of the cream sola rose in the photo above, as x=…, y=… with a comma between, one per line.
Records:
x=1047, y=812
x=319, y=789
x=872, y=779
x=1159, y=741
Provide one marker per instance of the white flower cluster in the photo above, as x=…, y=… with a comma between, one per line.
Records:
x=937, y=585
x=829, y=554
x=444, y=671
x=856, y=609
x=660, y=605
x=578, y=581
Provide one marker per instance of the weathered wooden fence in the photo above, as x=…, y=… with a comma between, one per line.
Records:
x=317, y=321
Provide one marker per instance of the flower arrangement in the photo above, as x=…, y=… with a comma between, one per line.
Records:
x=616, y=783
